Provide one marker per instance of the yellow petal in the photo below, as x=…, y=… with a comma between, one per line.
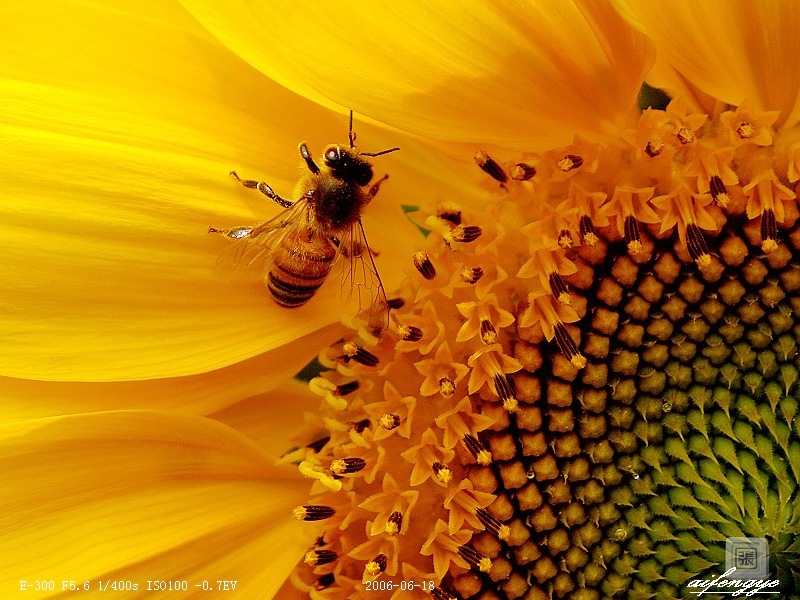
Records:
x=114, y=167
x=201, y=394
x=734, y=51
x=280, y=411
x=666, y=78
x=134, y=496
x=519, y=76
x=117, y=148
x=289, y=591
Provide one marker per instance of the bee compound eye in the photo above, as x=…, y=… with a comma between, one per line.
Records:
x=364, y=175
x=332, y=154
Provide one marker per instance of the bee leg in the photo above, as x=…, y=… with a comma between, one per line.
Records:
x=373, y=189
x=312, y=166
x=263, y=188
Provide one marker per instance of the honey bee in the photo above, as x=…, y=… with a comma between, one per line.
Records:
x=301, y=244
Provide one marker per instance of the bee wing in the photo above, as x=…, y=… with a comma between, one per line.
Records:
x=360, y=275
x=253, y=245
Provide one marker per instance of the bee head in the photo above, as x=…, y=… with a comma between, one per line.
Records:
x=346, y=164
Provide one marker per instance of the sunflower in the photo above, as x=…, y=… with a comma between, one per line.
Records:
x=590, y=378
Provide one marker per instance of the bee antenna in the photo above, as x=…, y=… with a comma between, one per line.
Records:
x=378, y=153
x=350, y=135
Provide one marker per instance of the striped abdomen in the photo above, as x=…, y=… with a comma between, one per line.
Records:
x=299, y=267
